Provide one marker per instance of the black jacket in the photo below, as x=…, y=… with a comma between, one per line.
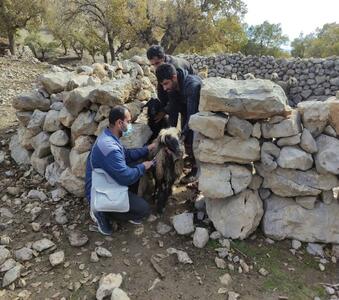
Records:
x=186, y=100
x=178, y=63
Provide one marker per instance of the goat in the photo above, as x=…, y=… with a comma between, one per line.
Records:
x=169, y=166
x=154, y=106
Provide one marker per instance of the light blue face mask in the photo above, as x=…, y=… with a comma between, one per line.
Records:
x=128, y=130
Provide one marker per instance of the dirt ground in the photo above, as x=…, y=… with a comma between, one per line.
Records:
x=289, y=276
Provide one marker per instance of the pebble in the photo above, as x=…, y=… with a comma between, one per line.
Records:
x=107, y=284
x=57, y=258
x=200, y=237
x=233, y=295
x=37, y=195
x=222, y=290
x=296, y=244
x=215, y=235
x=119, y=294
x=77, y=239
x=7, y=265
x=35, y=226
x=5, y=240
x=226, y=243
x=269, y=241
x=163, y=228
x=330, y=290
x=182, y=255
x=225, y=279
x=315, y=249
x=183, y=223
x=94, y=257
x=263, y=272
x=222, y=252
x=4, y=254
x=42, y=245
x=24, y=254
x=11, y=275
x=103, y=252
x=321, y=267
x=220, y=263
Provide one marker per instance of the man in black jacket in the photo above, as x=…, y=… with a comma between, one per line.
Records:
x=156, y=56
x=183, y=92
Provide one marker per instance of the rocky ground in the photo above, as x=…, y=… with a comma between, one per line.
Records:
x=53, y=250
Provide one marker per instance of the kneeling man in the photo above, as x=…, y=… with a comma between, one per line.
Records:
x=111, y=156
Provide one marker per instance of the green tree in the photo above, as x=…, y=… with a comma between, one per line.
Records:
x=40, y=45
x=265, y=39
x=15, y=14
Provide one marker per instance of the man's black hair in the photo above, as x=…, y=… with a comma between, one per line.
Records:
x=117, y=113
x=164, y=72
x=155, y=51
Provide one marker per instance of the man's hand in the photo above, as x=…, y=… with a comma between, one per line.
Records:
x=148, y=164
x=159, y=116
x=151, y=147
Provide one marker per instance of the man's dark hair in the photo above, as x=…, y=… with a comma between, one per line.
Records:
x=164, y=72
x=117, y=113
x=155, y=51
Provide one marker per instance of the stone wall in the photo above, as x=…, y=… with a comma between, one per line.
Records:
x=316, y=78
x=60, y=119
x=265, y=163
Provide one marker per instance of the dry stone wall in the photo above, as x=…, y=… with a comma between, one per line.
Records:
x=316, y=78
x=265, y=163
x=60, y=119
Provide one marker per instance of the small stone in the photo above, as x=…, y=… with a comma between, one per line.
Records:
x=77, y=239
x=182, y=255
x=225, y=243
x=24, y=254
x=36, y=226
x=263, y=272
x=107, y=284
x=57, y=258
x=5, y=240
x=315, y=249
x=330, y=290
x=222, y=290
x=11, y=275
x=321, y=267
x=296, y=244
x=222, y=252
x=42, y=245
x=183, y=223
x=163, y=228
x=119, y=294
x=225, y=279
x=4, y=254
x=103, y=252
x=60, y=216
x=200, y=237
x=94, y=257
x=215, y=235
x=37, y=195
x=7, y=265
x=233, y=295
x=269, y=241
x=220, y=263
x=244, y=266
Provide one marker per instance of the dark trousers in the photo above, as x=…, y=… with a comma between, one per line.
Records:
x=138, y=209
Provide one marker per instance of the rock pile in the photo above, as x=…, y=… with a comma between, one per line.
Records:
x=60, y=119
x=262, y=161
x=316, y=78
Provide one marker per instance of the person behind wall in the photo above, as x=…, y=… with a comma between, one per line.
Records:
x=183, y=91
x=120, y=164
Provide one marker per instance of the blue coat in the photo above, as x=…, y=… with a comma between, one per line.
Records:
x=110, y=155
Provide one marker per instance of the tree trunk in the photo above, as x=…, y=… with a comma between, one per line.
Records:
x=11, y=41
x=105, y=58
x=64, y=45
x=111, y=47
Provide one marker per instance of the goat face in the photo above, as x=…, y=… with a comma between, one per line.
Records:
x=153, y=107
x=169, y=139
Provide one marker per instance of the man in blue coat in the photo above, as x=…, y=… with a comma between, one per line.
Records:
x=121, y=164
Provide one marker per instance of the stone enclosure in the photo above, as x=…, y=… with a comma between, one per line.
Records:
x=261, y=161
x=316, y=78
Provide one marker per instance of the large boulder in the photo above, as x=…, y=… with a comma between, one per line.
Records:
x=36, y=122
x=238, y=216
x=61, y=156
x=284, y=218
x=77, y=80
x=78, y=163
x=66, y=118
x=84, y=124
x=20, y=155
x=53, y=173
x=139, y=137
x=31, y=101
x=59, y=138
x=52, y=122
x=327, y=157
x=292, y=183
x=83, y=143
x=219, y=181
x=41, y=144
x=227, y=149
x=239, y=128
x=55, y=82
x=209, y=124
x=40, y=164
x=24, y=117
x=269, y=154
x=78, y=99
x=112, y=93
x=71, y=183
x=307, y=142
x=315, y=115
x=292, y=157
x=287, y=127
x=247, y=99
x=333, y=105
